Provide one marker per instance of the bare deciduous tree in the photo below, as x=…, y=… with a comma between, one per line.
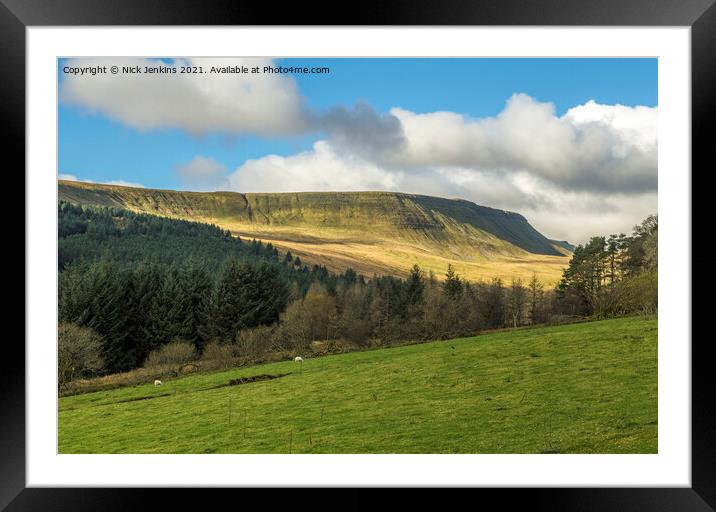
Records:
x=79, y=353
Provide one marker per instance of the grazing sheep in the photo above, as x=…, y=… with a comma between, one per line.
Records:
x=298, y=359
x=157, y=382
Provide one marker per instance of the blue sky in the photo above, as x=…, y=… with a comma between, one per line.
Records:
x=93, y=147
x=538, y=136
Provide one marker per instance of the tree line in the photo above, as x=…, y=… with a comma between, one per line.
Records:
x=614, y=275
x=140, y=283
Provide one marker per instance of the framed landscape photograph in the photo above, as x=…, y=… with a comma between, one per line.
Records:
x=366, y=256
x=236, y=259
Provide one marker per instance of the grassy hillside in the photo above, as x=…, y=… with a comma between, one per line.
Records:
x=581, y=388
x=563, y=246
x=372, y=232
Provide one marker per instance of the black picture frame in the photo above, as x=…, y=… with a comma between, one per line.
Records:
x=700, y=15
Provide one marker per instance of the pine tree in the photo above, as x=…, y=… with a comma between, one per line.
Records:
x=452, y=287
x=248, y=296
x=107, y=315
x=164, y=317
x=144, y=286
x=228, y=300
x=414, y=289
x=193, y=309
x=494, y=304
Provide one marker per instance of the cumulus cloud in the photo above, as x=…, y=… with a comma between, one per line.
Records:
x=72, y=177
x=636, y=125
x=591, y=147
x=573, y=220
x=234, y=103
x=362, y=129
x=573, y=215
x=592, y=170
x=321, y=168
x=261, y=104
x=202, y=173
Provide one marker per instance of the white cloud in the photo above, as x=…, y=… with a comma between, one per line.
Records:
x=591, y=171
x=637, y=126
x=577, y=217
x=202, y=173
x=72, y=177
x=558, y=214
x=321, y=168
x=592, y=147
x=234, y=103
x=123, y=183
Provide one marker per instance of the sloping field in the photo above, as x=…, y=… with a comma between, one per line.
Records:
x=580, y=388
x=339, y=250
x=371, y=232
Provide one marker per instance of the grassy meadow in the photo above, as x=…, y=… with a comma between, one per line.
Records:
x=578, y=388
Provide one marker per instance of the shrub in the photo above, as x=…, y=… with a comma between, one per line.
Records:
x=295, y=331
x=79, y=352
x=558, y=319
x=356, y=330
x=253, y=343
x=175, y=353
x=217, y=356
x=640, y=294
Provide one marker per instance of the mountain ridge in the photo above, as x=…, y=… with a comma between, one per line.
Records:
x=383, y=230
x=256, y=207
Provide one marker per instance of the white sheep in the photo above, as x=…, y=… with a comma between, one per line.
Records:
x=157, y=382
x=298, y=359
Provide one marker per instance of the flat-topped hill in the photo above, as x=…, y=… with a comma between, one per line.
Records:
x=373, y=232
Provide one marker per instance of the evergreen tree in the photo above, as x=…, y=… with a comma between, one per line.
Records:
x=414, y=289
x=452, y=287
x=643, y=237
x=143, y=288
x=228, y=301
x=198, y=287
x=165, y=312
x=494, y=304
x=247, y=296
x=106, y=313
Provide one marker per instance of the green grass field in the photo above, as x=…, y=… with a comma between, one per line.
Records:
x=580, y=388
